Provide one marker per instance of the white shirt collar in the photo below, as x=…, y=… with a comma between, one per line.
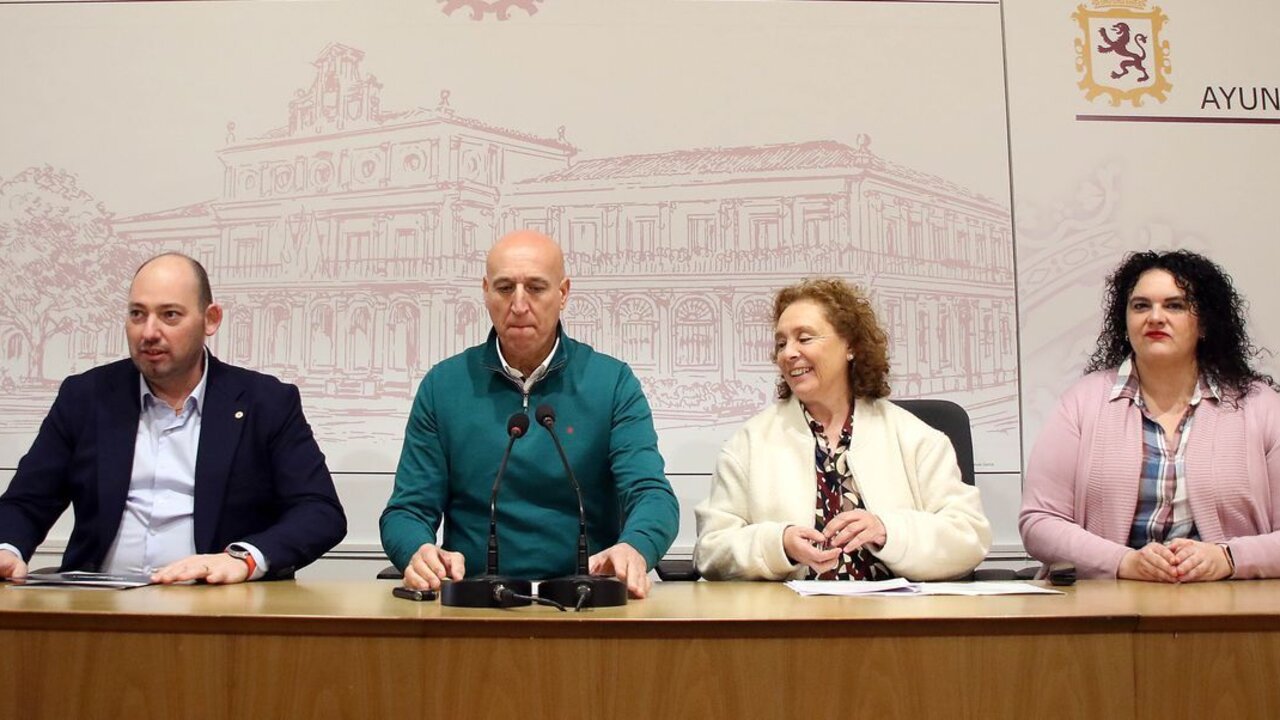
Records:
x=197, y=394
x=537, y=372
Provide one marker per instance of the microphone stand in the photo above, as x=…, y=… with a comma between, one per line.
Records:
x=492, y=590
x=582, y=589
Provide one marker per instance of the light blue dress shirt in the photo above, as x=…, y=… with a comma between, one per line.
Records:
x=158, y=525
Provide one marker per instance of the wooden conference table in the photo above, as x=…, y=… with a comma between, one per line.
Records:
x=707, y=650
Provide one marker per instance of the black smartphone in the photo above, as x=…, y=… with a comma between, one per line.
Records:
x=1062, y=573
x=414, y=595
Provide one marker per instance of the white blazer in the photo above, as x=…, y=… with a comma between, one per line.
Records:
x=905, y=472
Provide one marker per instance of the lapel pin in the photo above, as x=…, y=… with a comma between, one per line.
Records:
x=239, y=414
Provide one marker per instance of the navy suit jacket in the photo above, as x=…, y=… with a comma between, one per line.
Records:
x=260, y=476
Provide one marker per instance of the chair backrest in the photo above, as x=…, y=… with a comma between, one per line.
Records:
x=952, y=421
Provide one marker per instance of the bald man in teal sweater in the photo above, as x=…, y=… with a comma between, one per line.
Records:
x=457, y=431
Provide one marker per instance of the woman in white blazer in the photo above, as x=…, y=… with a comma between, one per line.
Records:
x=833, y=481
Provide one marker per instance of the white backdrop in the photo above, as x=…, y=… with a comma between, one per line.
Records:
x=342, y=167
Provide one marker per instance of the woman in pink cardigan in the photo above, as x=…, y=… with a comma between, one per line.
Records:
x=1163, y=462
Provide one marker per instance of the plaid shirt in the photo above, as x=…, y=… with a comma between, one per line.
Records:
x=1163, y=511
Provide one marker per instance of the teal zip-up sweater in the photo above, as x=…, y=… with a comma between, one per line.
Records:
x=454, y=442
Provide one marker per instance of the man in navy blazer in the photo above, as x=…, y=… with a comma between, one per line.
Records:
x=177, y=464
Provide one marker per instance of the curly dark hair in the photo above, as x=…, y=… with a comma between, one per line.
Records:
x=850, y=313
x=1224, y=351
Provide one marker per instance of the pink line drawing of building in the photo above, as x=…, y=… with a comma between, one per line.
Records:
x=347, y=248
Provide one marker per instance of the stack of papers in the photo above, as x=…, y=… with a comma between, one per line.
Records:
x=83, y=579
x=900, y=586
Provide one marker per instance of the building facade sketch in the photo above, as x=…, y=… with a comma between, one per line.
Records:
x=347, y=247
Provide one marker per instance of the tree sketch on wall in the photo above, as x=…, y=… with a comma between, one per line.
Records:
x=61, y=302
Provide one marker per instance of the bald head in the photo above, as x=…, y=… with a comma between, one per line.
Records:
x=529, y=246
x=173, y=265
x=525, y=289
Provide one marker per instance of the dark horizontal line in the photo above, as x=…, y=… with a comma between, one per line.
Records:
x=1208, y=120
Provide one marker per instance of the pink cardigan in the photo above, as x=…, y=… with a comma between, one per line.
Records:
x=1081, y=488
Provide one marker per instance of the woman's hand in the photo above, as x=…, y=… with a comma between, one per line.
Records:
x=1196, y=561
x=853, y=529
x=807, y=546
x=1153, y=563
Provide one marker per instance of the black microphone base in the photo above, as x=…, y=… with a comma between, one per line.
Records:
x=602, y=590
x=485, y=591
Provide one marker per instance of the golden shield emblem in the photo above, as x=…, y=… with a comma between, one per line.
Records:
x=1119, y=52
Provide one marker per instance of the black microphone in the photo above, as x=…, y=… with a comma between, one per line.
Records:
x=581, y=589
x=492, y=589
x=517, y=426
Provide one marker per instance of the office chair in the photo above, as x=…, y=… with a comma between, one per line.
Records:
x=952, y=420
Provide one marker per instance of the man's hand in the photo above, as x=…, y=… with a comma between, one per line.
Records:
x=430, y=565
x=11, y=566
x=627, y=564
x=215, y=569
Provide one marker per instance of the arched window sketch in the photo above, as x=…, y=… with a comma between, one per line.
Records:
x=582, y=320
x=402, y=337
x=472, y=327
x=755, y=333
x=638, y=327
x=696, y=339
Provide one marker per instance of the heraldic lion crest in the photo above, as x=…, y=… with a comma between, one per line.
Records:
x=1119, y=52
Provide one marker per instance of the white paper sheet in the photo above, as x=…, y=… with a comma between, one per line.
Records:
x=902, y=587
x=850, y=588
